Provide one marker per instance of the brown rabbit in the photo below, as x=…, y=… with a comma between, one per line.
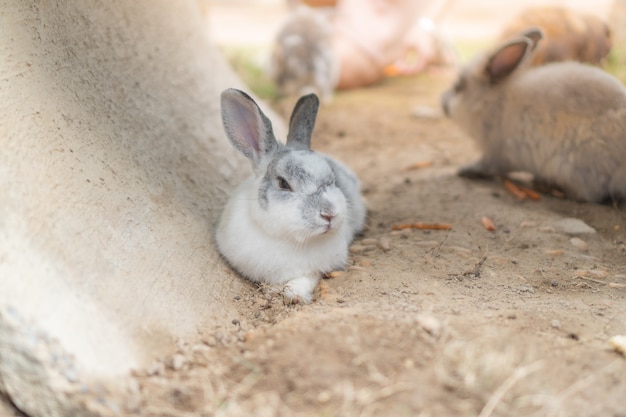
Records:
x=569, y=36
x=565, y=122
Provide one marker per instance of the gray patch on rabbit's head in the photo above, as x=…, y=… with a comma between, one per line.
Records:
x=285, y=166
x=293, y=170
x=306, y=172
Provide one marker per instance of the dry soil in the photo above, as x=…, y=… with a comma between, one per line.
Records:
x=514, y=321
x=462, y=322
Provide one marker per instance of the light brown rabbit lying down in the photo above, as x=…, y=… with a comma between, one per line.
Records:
x=568, y=36
x=565, y=122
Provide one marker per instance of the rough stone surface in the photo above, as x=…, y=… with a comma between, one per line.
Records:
x=113, y=171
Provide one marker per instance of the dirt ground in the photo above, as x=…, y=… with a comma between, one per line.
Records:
x=460, y=322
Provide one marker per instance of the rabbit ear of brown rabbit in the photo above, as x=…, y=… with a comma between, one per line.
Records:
x=534, y=34
x=513, y=53
x=302, y=122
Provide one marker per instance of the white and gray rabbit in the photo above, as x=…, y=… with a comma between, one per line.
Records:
x=565, y=123
x=302, y=58
x=293, y=220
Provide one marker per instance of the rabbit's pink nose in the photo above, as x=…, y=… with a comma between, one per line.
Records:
x=326, y=215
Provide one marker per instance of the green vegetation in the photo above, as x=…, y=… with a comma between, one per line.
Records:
x=616, y=63
x=251, y=64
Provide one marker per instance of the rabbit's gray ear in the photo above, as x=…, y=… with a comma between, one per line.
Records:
x=247, y=127
x=302, y=122
x=507, y=59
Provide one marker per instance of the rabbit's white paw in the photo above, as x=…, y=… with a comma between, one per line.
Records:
x=300, y=290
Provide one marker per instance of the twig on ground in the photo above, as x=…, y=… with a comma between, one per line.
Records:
x=595, y=281
x=422, y=226
x=439, y=245
x=475, y=271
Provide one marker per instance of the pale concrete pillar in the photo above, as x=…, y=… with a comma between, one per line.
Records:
x=113, y=171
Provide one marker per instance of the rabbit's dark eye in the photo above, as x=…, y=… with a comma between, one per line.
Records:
x=283, y=184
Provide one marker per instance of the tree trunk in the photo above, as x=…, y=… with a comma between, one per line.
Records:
x=113, y=171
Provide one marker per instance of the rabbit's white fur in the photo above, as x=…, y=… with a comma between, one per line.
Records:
x=293, y=220
x=565, y=123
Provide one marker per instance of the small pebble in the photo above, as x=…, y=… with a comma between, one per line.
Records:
x=356, y=248
x=556, y=324
x=522, y=177
x=430, y=324
x=426, y=112
x=384, y=243
x=156, y=368
x=572, y=226
x=199, y=348
x=357, y=268
x=368, y=242
x=528, y=224
x=618, y=343
x=324, y=396
x=579, y=244
x=181, y=344
x=526, y=289
x=365, y=262
x=178, y=361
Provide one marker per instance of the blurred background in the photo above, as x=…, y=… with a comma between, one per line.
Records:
x=440, y=33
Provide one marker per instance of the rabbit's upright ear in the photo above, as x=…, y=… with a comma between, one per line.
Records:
x=508, y=58
x=247, y=127
x=534, y=34
x=302, y=122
